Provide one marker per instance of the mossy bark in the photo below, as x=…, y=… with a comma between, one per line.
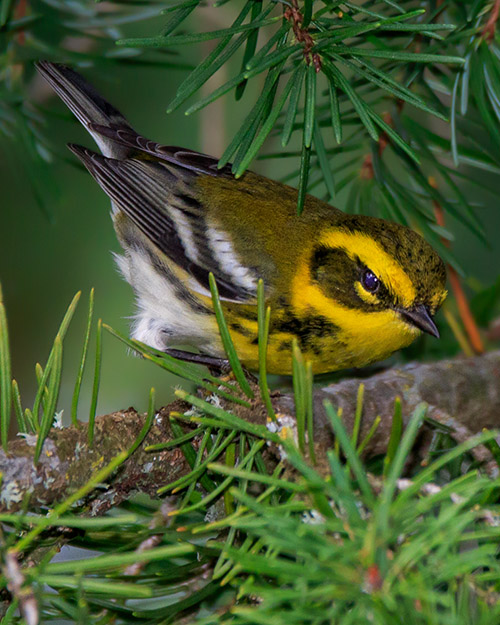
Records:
x=462, y=394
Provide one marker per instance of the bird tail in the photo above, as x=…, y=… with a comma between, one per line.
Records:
x=88, y=106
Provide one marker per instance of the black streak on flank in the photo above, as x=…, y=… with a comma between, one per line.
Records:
x=308, y=330
x=237, y=327
x=180, y=290
x=246, y=313
x=285, y=346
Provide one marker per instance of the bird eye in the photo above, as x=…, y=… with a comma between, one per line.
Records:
x=370, y=281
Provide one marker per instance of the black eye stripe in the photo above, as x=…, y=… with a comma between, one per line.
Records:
x=323, y=256
x=337, y=273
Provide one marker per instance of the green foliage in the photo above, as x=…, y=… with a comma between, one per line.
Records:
x=5, y=378
x=374, y=72
x=40, y=418
x=76, y=32
x=316, y=550
x=360, y=95
x=235, y=542
x=263, y=320
x=81, y=367
x=227, y=341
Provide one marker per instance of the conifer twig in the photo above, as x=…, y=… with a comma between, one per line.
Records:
x=24, y=594
x=491, y=24
x=463, y=394
x=302, y=34
x=456, y=286
x=159, y=520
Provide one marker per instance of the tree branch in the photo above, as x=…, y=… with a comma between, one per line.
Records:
x=67, y=462
x=490, y=26
x=463, y=394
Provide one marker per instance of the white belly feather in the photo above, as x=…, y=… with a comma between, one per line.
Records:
x=164, y=318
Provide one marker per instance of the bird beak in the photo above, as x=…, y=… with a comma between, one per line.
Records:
x=420, y=317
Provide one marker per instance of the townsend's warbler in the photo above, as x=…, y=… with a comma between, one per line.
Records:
x=350, y=289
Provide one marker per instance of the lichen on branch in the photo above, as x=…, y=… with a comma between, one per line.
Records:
x=463, y=394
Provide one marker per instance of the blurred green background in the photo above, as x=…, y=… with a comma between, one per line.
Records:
x=44, y=262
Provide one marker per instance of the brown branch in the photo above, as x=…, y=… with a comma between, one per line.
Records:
x=24, y=594
x=491, y=24
x=463, y=394
x=302, y=35
x=458, y=291
x=465, y=311
x=67, y=462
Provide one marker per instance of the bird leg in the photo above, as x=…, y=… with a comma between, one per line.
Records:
x=215, y=365
x=212, y=362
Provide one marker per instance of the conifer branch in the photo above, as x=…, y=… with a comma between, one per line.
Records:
x=491, y=24
x=302, y=34
x=458, y=291
x=463, y=396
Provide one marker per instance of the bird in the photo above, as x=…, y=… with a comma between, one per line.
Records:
x=349, y=290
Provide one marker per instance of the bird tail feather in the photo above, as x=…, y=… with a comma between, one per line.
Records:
x=88, y=106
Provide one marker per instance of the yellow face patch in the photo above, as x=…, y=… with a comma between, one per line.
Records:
x=373, y=255
x=366, y=336
x=438, y=298
x=369, y=298
x=308, y=296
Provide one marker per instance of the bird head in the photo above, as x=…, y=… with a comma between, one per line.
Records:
x=379, y=282
x=374, y=265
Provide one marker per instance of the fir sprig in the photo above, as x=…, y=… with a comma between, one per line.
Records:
x=312, y=545
x=350, y=66
x=35, y=29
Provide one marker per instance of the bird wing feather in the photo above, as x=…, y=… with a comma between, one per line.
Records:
x=155, y=186
x=157, y=198
x=190, y=160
